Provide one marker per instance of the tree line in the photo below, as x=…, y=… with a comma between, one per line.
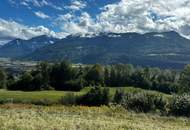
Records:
x=65, y=76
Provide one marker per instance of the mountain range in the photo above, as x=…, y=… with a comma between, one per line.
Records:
x=19, y=47
x=164, y=50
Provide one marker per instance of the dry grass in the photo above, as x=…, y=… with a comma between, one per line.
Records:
x=28, y=117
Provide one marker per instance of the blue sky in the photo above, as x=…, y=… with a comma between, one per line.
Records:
x=23, y=11
x=59, y=18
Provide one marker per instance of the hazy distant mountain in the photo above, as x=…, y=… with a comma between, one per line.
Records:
x=166, y=50
x=19, y=47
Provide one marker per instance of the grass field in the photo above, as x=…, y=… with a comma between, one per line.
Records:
x=57, y=117
x=54, y=96
x=28, y=117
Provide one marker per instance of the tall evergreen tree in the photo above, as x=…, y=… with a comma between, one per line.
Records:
x=3, y=77
x=60, y=74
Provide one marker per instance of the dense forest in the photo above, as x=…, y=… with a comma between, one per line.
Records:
x=65, y=76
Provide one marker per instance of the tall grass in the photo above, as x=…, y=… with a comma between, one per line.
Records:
x=27, y=117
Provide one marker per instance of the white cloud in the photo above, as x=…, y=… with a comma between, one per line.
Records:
x=145, y=16
x=41, y=15
x=134, y=16
x=124, y=16
x=35, y=3
x=77, y=5
x=10, y=30
x=71, y=24
x=24, y=3
x=56, y=7
x=42, y=3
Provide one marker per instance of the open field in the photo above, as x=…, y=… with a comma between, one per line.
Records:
x=28, y=117
x=54, y=96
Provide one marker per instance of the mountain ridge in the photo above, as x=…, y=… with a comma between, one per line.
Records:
x=165, y=49
x=155, y=49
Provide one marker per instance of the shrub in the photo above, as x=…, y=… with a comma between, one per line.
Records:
x=180, y=105
x=119, y=94
x=95, y=97
x=68, y=99
x=43, y=102
x=143, y=102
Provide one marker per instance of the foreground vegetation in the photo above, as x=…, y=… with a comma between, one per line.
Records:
x=129, y=98
x=66, y=85
x=28, y=117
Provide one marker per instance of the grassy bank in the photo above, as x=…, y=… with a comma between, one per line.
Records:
x=28, y=117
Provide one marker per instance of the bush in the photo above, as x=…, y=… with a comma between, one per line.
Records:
x=180, y=105
x=68, y=99
x=119, y=94
x=95, y=97
x=143, y=102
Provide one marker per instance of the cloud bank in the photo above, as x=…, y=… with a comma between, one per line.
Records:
x=133, y=16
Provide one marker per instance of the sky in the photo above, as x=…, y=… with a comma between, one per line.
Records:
x=59, y=18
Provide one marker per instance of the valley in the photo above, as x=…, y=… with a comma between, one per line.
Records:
x=16, y=66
